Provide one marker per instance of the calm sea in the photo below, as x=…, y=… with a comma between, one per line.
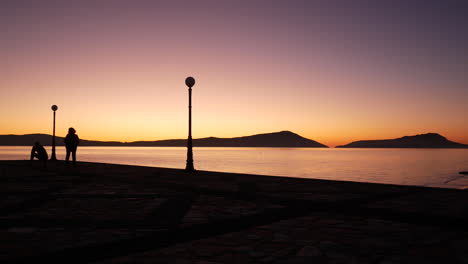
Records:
x=424, y=167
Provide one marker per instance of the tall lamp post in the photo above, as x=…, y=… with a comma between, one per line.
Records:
x=52, y=157
x=190, y=82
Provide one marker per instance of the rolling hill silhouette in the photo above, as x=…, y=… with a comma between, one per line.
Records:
x=277, y=139
x=429, y=140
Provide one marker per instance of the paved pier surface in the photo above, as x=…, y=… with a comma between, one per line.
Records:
x=106, y=213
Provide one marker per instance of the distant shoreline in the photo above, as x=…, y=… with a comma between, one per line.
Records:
x=276, y=139
x=282, y=139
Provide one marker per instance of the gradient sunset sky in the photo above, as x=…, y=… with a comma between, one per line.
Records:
x=331, y=71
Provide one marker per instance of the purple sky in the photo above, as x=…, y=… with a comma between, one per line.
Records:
x=333, y=71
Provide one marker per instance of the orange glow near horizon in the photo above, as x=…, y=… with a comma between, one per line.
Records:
x=117, y=73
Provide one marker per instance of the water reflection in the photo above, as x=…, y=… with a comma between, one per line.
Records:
x=426, y=167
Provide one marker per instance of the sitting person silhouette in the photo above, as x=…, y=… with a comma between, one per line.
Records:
x=39, y=152
x=71, y=144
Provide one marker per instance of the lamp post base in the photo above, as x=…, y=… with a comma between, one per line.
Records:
x=189, y=167
x=52, y=156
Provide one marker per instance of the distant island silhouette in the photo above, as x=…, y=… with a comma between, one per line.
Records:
x=283, y=139
x=429, y=140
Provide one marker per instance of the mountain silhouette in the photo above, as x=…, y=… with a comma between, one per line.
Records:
x=429, y=140
x=46, y=140
x=277, y=139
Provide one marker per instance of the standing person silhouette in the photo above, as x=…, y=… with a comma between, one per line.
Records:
x=71, y=144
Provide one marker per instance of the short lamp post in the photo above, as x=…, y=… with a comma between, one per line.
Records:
x=53, y=157
x=190, y=82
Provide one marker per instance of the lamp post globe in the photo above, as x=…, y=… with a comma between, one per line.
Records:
x=190, y=82
x=52, y=156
